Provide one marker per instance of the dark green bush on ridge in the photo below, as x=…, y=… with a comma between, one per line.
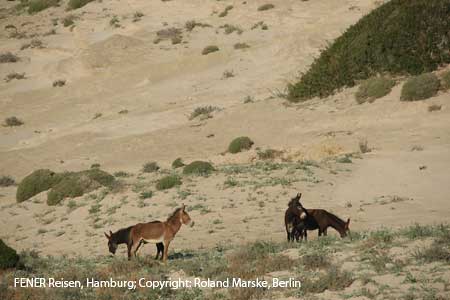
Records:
x=178, y=163
x=168, y=182
x=420, y=87
x=198, y=168
x=390, y=39
x=239, y=144
x=8, y=256
x=35, y=183
x=74, y=4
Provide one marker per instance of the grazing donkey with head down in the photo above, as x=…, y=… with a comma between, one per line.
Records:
x=158, y=232
x=122, y=236
x=320, y=219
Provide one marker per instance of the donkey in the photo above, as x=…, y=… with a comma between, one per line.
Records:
x=294, y=224
x=122, y=236
x=321, y=219
x=158, y=232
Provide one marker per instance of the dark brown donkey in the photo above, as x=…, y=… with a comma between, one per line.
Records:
x=122, y=236
x=321, y=219
x=295, y=225
x=157, y=232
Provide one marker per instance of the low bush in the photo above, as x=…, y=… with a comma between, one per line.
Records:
x=445, y=82
x=13, y=121
x=150, y=167
x=266, y=7
x=420, y=87
x=35, y=183
x=35, y=6
x=7, y=181
x=14, y=75
x=178, y=163
x=70, y=186
x=168, y=182
x=240, y=144
x=198, y=168
x=210, y=49
x=74, y=4
x=8, y=57
x=8, y=256
x=374, y=88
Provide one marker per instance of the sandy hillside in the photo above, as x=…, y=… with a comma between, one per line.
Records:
x=127, y=101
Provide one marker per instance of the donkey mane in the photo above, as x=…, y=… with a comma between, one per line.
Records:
x=337, y=219
x=174, y=214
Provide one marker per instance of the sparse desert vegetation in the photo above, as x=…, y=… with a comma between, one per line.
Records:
x=209, y=49
x=12, y=122
x=240, y=144
x=168, y=182
x=8, y=57
x=198, y=168
x=266, y=6
x=374, y=88
x=6, y=181
x=75, y=4
x=150, y=167
x=14, y=75
x=420, y=87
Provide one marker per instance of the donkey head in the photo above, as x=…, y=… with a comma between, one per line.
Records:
x=346, y=229
x=112, y=243
x=184, y=216
x=295, y=202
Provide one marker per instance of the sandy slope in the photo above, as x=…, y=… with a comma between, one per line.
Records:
x=112, y=69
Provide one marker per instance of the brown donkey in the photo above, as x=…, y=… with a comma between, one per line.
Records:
x=321, y=219
x=157, y=232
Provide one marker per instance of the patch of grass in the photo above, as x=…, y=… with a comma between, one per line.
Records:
x=269, y=154
x=240, y=144
x=434, y=107
x=227, y=74
x=150, y=167
x=364, y=146
x=437, y=251
x=209, y=49
x=261, y=25
x=172, y=33
x=224, y=13
x=137, y=16
x=445, y=80
x=33, y=44
x=374, y=88
x=316, y=260
x=75, y=4
x=146, y=195
x=333, y=279
x=69, y=20
x=420, y=87
x=14, y=75
x=367, y=48
x=114, y=22
x=95, y=208
x=35, y=6
x=13, y=121
x=266, y=7
x=7, y=181
x=8, y=57
x=178, y=163
x=346, y=159
x=59, y=83
x=8, y=256
x=239, y=46
x=168, y=182
x=190, y=25
x=203, y=111
x=121, y=174
x=198, y=167
x=229, y=29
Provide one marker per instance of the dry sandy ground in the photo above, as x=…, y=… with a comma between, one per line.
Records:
x=112, y=69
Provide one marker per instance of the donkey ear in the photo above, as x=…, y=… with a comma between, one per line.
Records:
x=348, y=223
x=299, y=195
x=110, y=233
x=108, y=237
x=183, y=206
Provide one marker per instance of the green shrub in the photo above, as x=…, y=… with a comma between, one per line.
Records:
x=35, y=6
x=240, y=144
x=168, y=182
x=210, y=49
x=178, y=163
x=374, y=88
x=387, y=40
x=150, y=167
x=446, y=80
x=76, y=184
x=13, y=121
x=35, y=183
x=266, y=7
x=8, y=256
x=198, y=168
x=70, y=186
x=8, y=57
x=420, y=87
x=74, y=4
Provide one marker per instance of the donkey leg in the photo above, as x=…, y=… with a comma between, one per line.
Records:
x=160, y=249
x=166, y=250
x=129, y=249
x=325, y=231
x=134, y=248
x=305, y=232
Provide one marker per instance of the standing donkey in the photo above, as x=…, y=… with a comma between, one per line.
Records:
x=320, y=219
x=293, y=219
x=158, y=232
